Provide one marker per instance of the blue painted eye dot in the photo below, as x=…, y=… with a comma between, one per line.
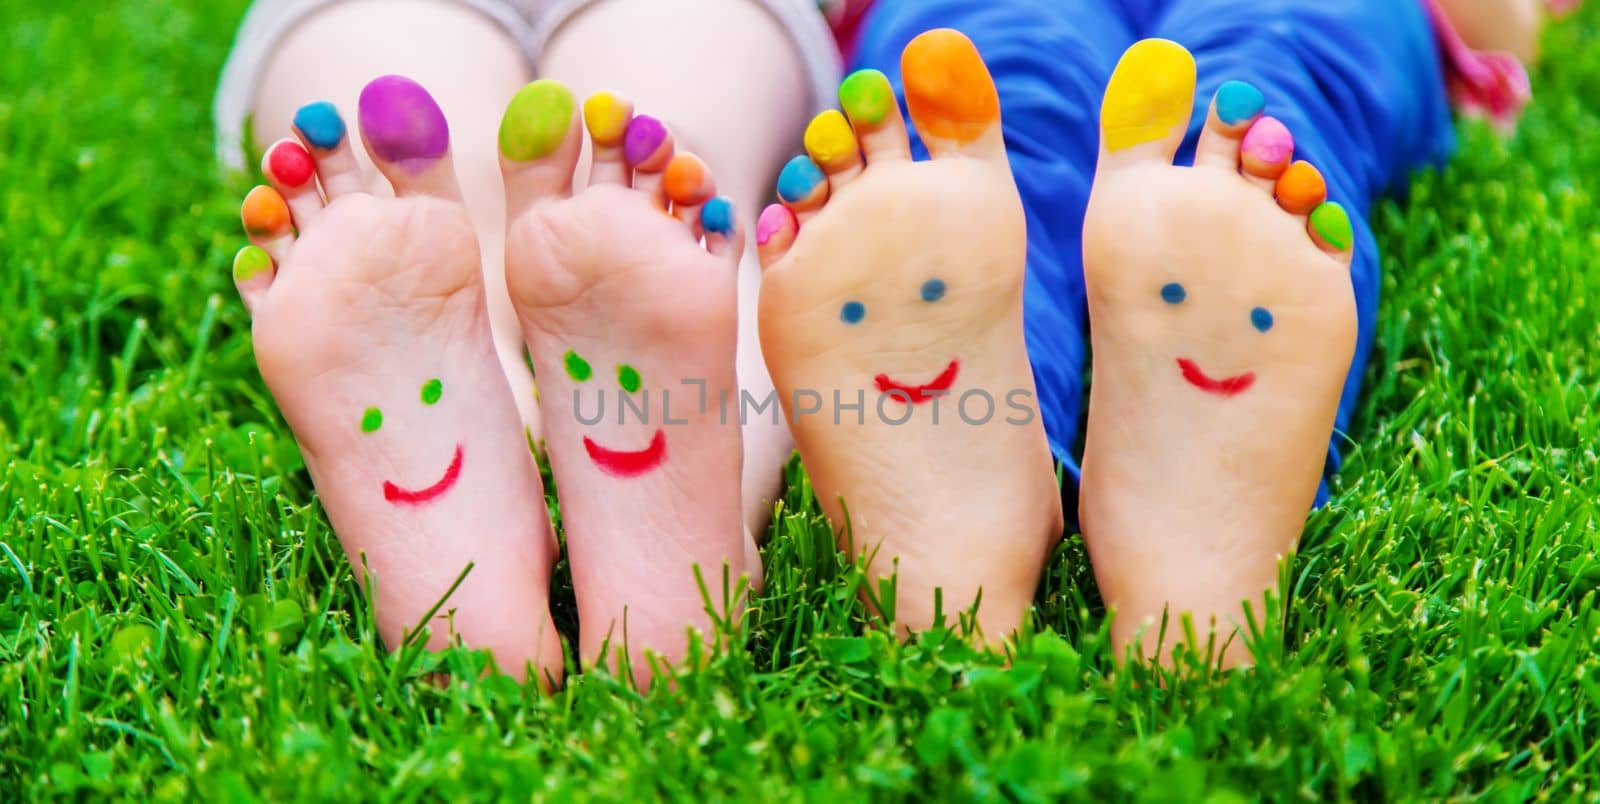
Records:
x=933, y=290
x=1173, y=293
x=853, y=312
x=1261, y=319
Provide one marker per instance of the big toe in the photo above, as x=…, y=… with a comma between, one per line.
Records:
x=540, y=139
x=408, y=138
x=1147, y=105
x=952, y=97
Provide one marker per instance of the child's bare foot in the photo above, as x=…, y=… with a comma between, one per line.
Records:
x=893, y=283
x=627, y=315
x=1224, y=324
x=1507, y=26
x=373, y=336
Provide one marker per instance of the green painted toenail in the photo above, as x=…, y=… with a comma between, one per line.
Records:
x=577, y=368
x=536, y=121
x=431, y=391
x=628, y=378
x=250, y=263
x=867, y=97
x=1332, y=224
x=371, y=420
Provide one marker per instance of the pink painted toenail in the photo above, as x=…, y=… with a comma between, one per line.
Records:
x=1268, y=143
x=772, y=221
x=402, y=123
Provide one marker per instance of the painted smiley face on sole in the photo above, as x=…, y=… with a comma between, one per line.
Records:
x=614, y=462
x=1261, y=319
x=372, y=422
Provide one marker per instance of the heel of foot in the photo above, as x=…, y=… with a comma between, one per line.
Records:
x=1150, y=94
x=948, y=87
x=536, y=121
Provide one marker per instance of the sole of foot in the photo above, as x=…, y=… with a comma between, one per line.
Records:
x=627, y=293
x=1222, y=333
x=891, y=319
x=371, y=330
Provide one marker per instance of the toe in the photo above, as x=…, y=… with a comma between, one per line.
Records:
x=1329, y=225
x=1147, y=105
x=1234, y=111
x=267, y=221
x=607, y=116
x=868, y=100
x=1301, y=189
x=539, y=144
x=803, y=187
x=689, y=185
x=1266, y=151
x=322, y=130
x=832, y=145
x=406, y=135
x=721, y=228
x=775, y=233
x=648, y=147
x=952, y=97
x=252, y=275
x=292, y=171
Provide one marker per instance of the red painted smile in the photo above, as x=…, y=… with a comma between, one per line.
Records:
x=628, y=464
x=1228, y=386
x=400, y=496
x=918, y=394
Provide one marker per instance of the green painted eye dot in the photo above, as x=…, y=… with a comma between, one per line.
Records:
x=371, y=420
x=628, y=378
x=431, y=391
x=577, y=368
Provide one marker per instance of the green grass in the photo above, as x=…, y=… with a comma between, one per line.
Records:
x=176, y=620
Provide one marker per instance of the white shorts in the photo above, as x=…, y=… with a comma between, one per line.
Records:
x=530, y=22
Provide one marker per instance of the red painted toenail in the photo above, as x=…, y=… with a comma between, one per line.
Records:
x=290, y=164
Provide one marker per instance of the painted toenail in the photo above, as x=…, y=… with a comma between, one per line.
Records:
x=853, y=312
x=933, y=290
x=685, y=179
x=1268, y=142
x=830, y=140
x=577, y=368
x=431, y=391
x=1301, y=188
x=799, y=179
x=371, y=420
x=867, y=97
x=1149, y=95
x=644, y=137
x=290, y=164
x=1261, y=319
x=773, y=220
x=321, y=125
x=717, y=216
x=607, y=116
x=1173, y=293
x=628, y=378
x=249, y=263
x=265, y=213
x=536, y=121
x=1332, y=223
x=1239, y=102
x=948, y=88
x=403, y=124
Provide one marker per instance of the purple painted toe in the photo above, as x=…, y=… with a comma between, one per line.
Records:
x=402, y=124
x=645, y=135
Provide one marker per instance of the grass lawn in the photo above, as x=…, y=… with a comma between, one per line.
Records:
x=176, y=620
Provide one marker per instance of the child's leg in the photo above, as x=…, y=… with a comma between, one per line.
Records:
x=1050, y=60
x=734, y=80
x=469, y=61
x=1224, y=334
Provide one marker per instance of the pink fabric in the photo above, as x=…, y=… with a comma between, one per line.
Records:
x=1490, y=85
x=845, y=16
